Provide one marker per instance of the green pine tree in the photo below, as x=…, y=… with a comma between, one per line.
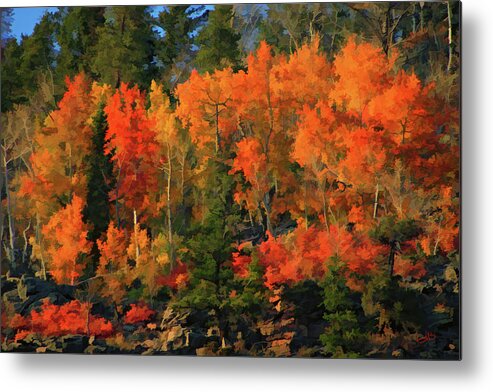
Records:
x=210, y=244
x=6, y=19
x=175, y=50
x=100, y=180
x=12, y=90
x=343, y=337
x=125, y=51
x=37, y=57
x=77, y=37
x=218, y=41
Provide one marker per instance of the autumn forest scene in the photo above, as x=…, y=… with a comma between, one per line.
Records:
x=264, y=180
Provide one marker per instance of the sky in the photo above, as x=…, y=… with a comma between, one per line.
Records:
x=26, y=18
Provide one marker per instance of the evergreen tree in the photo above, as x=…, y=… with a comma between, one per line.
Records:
x=395, y=233
x=344, y=337
x=12, y=92
x=211, y=244
x=218, y=41
x=76, y=36
x=125, y=49
x=37, y=56
x=100, y=180
x=175, y=50
x=6, y=19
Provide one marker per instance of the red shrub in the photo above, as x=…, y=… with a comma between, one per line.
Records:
x=72, y=318
x=176, y=278
x=138, y=314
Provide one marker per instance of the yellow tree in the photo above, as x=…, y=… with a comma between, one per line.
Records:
x=317, y=148
x=57, y=164
x=60, y=148
x=113, y=266
x=16, y=146
x=205, y=108
x=267, y=98
x=166, y=128
x=363, y=72
x=258, y=110
x=65, y=243
x=148, y=258
x=207, y=115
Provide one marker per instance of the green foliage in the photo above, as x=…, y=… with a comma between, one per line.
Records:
x=210, y=243
x=12, y=90
x=391, y=230
x=250, y=294
x=126, y=47
x=344, y=336
x=6, y=19
x=288, y=26
x=38, y=51
x=175, y=50
x=100, y=179
x=24, y=64
x=306, y=296
x=77, y=36
x=218, y=41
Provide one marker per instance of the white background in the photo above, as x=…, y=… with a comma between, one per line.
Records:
x=27, y=372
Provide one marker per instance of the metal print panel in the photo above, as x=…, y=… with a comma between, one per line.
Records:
x=265, y=180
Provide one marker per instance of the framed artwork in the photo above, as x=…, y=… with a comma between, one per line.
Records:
x=262, y=180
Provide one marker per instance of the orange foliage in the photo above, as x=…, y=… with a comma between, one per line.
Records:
x=406, y=268
x=131, y=137
x=305, y=77
x=311, y=251
x=21, y=334
x=72, y=318
x=251, y=161
x=263, y=110
x=113, y=264
x=276, y=259
x=305, y=254
x=316, y=144
x=344, y=143
x=112, y=250
x=138, y=314
x=60, y=147
x=205, y=106
x=363, y=70
x=64, y=243
x=366, y=158
x=240, y=264
x=396, y=105
x=177, y=278
x=364, y=256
